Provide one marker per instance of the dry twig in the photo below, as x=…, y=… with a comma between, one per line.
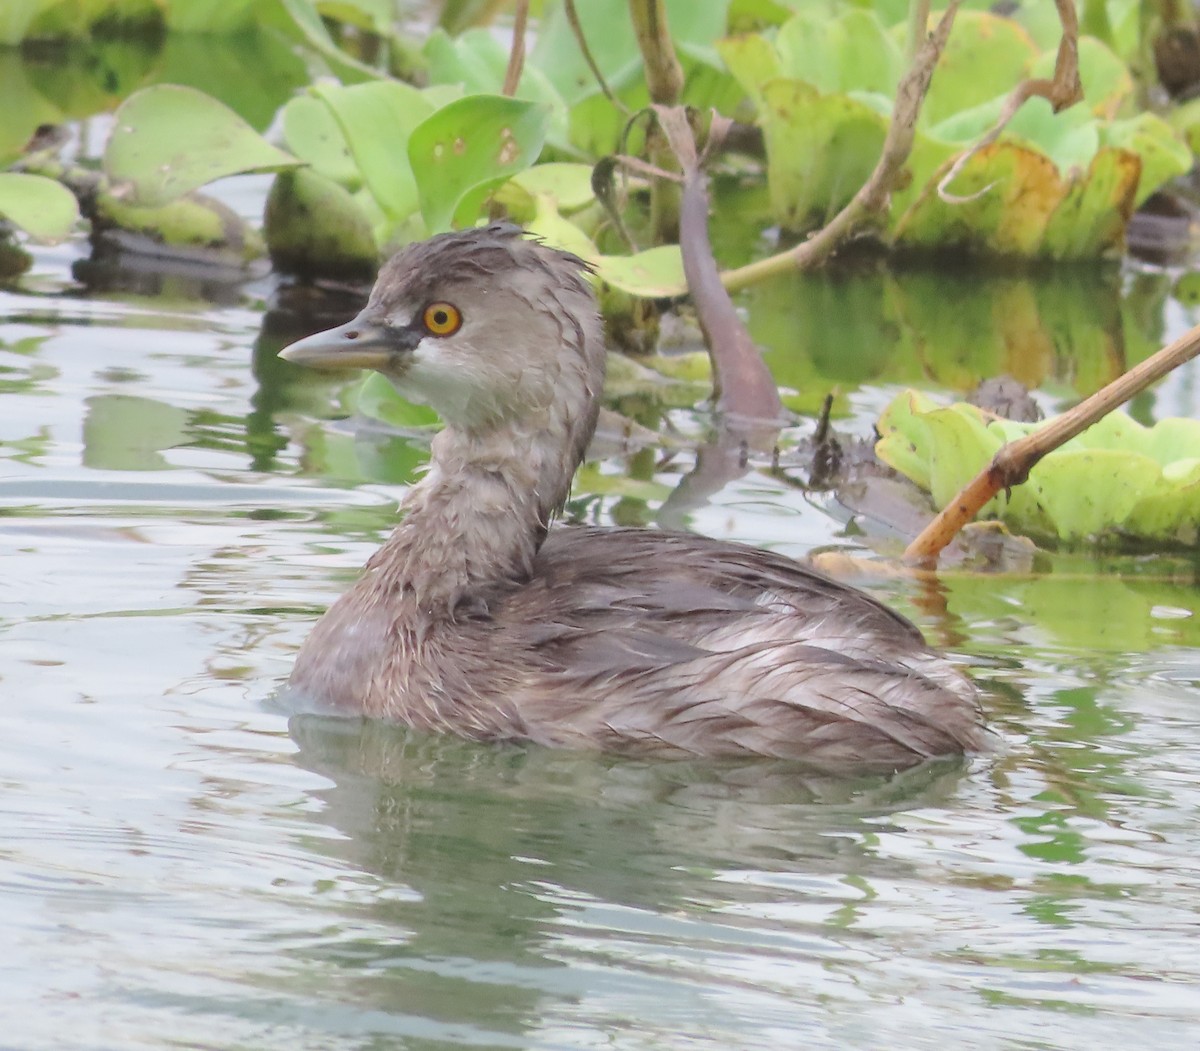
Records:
x=1012, y=464
x=872, y=199
x=1062, y=91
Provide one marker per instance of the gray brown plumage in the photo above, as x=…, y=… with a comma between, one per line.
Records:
x=473, y=618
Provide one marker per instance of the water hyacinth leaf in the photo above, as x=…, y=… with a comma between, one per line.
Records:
x=1090, y=220
x=609, y=32
x=753, y=60
x=568, y=185
x=656, y=273
x=745, y=16
x=1069, y=138
x=378, y=399
x=23, y=20
x=478, y=62
x=1116, y=480
x=308, y=21
x=313, y=134
x=16, y=18
x=191, y=227
x=820, y=150
x=167, y=141
x=254, y=72
x=984, y=57
x=466, y=149
x=1163, y=154
x=25, y=106
x=41, y=207
x=850, y=53
x=373, y=15
x=210, y=16
x=376, y=121
x=548, y=223
x=1018, y=189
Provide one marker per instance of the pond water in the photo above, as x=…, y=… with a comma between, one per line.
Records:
x=182, y=865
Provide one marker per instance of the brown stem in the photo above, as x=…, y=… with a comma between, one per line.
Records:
x=871, y=201
x=664, y=78
x=1012, y=464
x=516, y=57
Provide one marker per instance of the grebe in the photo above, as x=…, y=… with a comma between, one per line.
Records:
x=476, y=618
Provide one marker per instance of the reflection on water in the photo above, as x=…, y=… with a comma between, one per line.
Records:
x=181, y=865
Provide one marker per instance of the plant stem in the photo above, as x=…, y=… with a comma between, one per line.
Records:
x=664, y=78
x=516, y=57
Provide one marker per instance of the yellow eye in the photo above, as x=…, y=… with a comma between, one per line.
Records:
x=441, y=319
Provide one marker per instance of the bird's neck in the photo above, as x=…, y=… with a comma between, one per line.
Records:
x=480, y=514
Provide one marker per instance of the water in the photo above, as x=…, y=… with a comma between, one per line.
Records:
x=182, y=865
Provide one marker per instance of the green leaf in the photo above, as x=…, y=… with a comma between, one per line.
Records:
x=24, y=109
x=984, y=58
x=373, y=15
x=377, y=398
x=1069, y=138
x=253, y=72
x=850, y=53
x=1117, y=480
x=313, y=134
x=466, y=149
x=1017, y=190
x=307, y=19
x=478, y=62
x=753, y=60
x=1164, y=156
x=820, y=150
x=41, y=207
x=209, y=16
x=1106, y=79
x=568, y=185
x=1090, y=221
x=193, y=226
x=167, y=141
x=610, y=36
x=656, y=273
x=16, y=16
x=376, y=121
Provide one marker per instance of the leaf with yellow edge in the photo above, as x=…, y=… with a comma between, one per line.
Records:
x=1020, y=190
x=1090, y=220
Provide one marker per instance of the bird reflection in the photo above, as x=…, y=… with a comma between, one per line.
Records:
x=496, y=866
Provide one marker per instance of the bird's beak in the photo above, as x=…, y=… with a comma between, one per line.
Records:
x=358, y=344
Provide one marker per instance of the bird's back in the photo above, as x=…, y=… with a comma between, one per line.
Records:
x=649, y=641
